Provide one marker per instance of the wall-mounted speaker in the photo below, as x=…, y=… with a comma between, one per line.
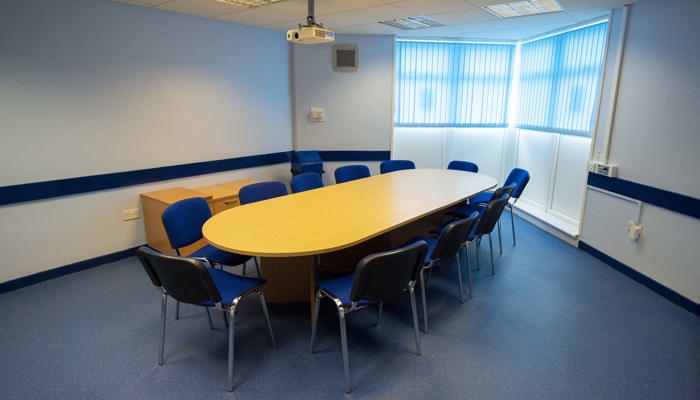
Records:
x=345, y=58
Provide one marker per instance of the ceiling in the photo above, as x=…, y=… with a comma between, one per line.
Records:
x=464, y=19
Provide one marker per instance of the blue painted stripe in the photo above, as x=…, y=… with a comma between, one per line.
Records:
x=669, y=294
x=355, y=155
x=659, y=197
x=65, y=187
x=66, y=269
x=71, y=186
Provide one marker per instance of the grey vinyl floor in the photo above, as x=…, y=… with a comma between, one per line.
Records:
x=553, y=323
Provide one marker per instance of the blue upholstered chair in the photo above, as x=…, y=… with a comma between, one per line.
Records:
x=463, y=166
x=379, y=277
x=469, y=208
x=395, y=165
x=348, y=173
x=261, y=191
x=485, y=225
x=444, y=250
x=188, y=280
x=183, y=221
x=306, y=181
x=518, y=176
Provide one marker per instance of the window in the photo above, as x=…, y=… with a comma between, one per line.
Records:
x=559, y=81
x=441, y=84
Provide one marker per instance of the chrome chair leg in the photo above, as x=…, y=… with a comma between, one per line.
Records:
x=164, y=302
x=469, y=270
x=315, y=322
x=211, y=323
x=245, y=264
x=500, y=246
x=459, y=278
x=412, y=295
x=379, y=312
x=177, y=310
x=257, y=266
x=344, y=346
x=493, y=270
x=425, y=303
x=476, y=245
x=263, y=304
x=231, y=332
x=512, y=221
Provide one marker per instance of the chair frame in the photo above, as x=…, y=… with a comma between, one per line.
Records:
x=446, y=251
x=487, y=222
x=207, y=292
x=360, y=283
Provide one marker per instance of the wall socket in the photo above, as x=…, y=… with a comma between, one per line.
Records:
x=132, y=213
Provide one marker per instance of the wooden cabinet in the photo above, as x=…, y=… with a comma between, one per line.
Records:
x=220, y=197
x=224, y=195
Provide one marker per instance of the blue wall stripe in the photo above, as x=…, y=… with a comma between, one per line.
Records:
x=65, y=187
x=65, y=270
x=71, y=186
x=659, y=197
x=660, y=289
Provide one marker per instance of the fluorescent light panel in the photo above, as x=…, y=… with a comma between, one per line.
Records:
x=249, y=3
x=522, y=8
x=417, y=22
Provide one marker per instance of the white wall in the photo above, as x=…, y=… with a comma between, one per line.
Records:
x=93, y=86
x=358, y=105
x=655, y=142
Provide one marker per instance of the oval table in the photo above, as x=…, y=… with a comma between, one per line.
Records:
x=338, y=224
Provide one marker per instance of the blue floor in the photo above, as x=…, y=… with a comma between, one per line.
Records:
x=553, y=323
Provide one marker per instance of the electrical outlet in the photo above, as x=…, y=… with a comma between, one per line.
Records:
x=132, y=213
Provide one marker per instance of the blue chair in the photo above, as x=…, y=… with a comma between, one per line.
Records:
x=485, y=225
x=444, y=250
x=518, y=176
x=261, y=191
x=479, y=208
x=183, y=221
x=463, y=166
x=395, y=165
x=379, y=277
x=306, y=181
x=349, y=173
x=188, y=280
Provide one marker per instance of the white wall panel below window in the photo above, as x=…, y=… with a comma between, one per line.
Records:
x=537, y=155
x=482, y=146
x=425, y=146
x=570, y=176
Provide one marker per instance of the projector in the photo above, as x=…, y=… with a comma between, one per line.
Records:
x=310, y=35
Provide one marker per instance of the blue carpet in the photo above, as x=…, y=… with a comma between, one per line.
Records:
x=553, y=323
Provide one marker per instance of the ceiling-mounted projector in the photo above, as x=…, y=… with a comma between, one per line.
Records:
x=310, y=35
x=312, y=32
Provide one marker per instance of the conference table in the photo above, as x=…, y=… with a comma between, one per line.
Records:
x=333, y=227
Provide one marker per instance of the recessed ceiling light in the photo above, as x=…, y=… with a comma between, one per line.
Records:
x=521, y=8
x=249, y=3
x=418, y=22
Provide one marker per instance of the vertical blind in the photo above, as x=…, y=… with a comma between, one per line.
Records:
x=441, y=84
x=559, y=81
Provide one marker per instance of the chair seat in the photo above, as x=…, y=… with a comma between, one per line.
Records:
x=218, y=256
x=431, y=241
x=483, y=197
x=231, y=286
x=467, y=209
x=340, y=288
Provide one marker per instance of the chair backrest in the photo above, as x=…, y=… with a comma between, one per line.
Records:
x=503, y=190
x=306, y=181
x=383, y=276
x=491, y=215
x=183, y=221
x=395, y=165
x=184, y=279
x=463, y=166
x=520, y=177
x=348, y=173
x=452, y=238
x=261, y=191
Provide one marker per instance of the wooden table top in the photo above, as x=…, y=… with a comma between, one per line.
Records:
x=339, y=216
